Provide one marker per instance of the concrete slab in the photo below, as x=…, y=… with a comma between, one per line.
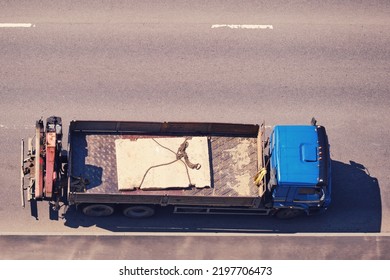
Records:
x=151, y=163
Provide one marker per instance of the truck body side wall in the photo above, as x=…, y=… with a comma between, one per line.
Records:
x=165, y=200
x=165, y=128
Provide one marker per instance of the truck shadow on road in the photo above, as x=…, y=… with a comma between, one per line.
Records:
x=356, y=207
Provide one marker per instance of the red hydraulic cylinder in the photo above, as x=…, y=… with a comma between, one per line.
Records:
x=50, y=160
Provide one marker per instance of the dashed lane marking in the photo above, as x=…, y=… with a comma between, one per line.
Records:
x=16, y=25
x=243, y=26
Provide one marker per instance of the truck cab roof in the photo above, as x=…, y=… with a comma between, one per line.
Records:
x=297, y=154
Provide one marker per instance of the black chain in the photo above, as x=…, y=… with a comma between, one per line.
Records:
x=181, y=153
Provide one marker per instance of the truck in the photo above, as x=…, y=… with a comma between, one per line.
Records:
x=137, y=168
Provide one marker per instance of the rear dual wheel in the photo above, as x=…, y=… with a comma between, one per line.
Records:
x=104, y=210
x=138, y=211
x=98, y=210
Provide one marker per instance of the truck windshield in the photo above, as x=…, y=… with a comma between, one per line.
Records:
x=307, y=191
x=309, y=195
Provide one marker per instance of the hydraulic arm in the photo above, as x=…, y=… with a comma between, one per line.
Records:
x=43, y=163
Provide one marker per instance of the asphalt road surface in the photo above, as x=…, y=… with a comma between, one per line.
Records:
x=226, y=61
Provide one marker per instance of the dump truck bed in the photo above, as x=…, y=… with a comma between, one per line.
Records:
x=97, y=155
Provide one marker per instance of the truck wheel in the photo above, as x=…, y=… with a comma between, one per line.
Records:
x=98, y=210
x=287, y=213
x=138, y=211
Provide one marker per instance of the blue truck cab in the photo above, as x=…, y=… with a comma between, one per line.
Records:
x=300, y=170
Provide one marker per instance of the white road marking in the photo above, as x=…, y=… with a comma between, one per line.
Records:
x=243, y=26
x=16, y=25
x=16, y=127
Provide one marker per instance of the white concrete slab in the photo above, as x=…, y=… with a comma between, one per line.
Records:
x=148, y=164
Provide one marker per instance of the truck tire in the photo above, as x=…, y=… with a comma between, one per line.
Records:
x=287, y=213
x=138, y=211
x=98, y=210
